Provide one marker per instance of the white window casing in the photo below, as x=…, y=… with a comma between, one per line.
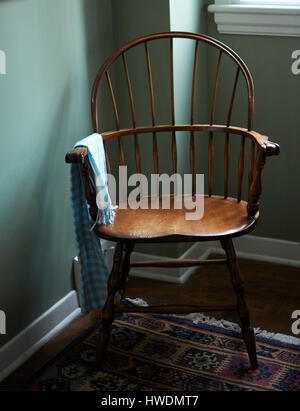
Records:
x=259, y=17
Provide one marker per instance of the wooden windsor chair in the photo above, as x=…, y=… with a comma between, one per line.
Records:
x=224, y=217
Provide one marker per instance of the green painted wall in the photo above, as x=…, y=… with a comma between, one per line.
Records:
x=277, y=105
x=188, y=16
x=53, y=50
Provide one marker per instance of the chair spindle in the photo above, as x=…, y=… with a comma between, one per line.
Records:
x=113, y=100
x=251, y=165
x=192, y=137
x=120, y=146
x=155, y=148
x=107, y=159
x=136, y=139
x=226, y=149
x=174, y=144
x=241, y=167
x=212, y=117
x=226, y=165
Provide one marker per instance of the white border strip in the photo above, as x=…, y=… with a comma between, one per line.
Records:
x=39, y=332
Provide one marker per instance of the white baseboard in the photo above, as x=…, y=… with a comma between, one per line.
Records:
x=39, y=332
x=270, y=250
x=249, y=246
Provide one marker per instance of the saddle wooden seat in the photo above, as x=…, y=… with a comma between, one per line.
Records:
x=222, y=218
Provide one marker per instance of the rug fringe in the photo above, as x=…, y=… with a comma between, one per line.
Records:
x=197, y=318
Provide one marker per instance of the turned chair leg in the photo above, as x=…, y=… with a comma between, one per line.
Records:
x=242, y=307
x=125, y=268
x=107, y=314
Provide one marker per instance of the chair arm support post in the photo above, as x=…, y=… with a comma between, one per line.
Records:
x=255, y=188
x=79, y=156
x=89, y=189
x=266, y=148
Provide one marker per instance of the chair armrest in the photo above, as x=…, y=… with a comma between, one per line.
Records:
x=262, y=141
x=269, y=148
x=77, y=155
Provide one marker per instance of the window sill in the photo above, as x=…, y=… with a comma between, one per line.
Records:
x=272, y=20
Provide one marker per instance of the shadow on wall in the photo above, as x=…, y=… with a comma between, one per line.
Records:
x=46, y=204
x=45, y=109
x=98, y=45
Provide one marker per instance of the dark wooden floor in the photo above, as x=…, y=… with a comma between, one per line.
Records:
x=272, y=293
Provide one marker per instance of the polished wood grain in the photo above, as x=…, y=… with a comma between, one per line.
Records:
x=222, y=218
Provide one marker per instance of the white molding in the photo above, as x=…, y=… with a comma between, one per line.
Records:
x=272, y=20
x=249, y=246
x=39, y=332
x=271, y=250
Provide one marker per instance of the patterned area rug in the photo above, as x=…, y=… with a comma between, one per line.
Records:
x=165, y=353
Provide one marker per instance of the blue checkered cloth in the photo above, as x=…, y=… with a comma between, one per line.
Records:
x=94, y=273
